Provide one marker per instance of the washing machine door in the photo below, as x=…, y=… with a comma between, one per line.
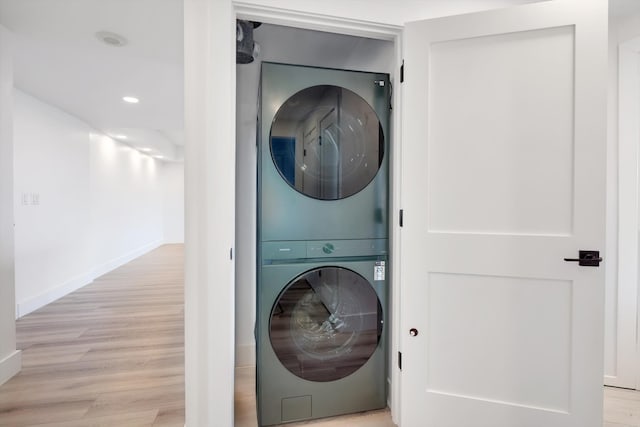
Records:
x=327, y=142
x=326, y=324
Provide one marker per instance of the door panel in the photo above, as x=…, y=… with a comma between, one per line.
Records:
x=503, y=177
x=528, y=79
x=506, y=331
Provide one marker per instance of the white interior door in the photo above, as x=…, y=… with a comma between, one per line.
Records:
x=503, y=177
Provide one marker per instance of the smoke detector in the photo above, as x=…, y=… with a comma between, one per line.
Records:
x=111, y=39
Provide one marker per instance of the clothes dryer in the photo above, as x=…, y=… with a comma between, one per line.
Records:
x=323, y=154
x=321, y=330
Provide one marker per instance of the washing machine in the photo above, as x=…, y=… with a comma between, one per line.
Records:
x=323, y=154
x=321, y=330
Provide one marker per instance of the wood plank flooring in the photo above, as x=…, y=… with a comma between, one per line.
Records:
x=111, y=354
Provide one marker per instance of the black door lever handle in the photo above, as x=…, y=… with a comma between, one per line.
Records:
x=587, y=259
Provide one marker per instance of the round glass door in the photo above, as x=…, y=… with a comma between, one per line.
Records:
x=326, y=324
x=327, y=142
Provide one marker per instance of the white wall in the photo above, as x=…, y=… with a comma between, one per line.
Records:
x=294, y=46
x=50, y=201
x=10, y=361
x=246, y=110
x=126, y=203
x=173, y=202
x=84, y=203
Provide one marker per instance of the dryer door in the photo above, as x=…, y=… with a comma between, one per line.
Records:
x=336, y=142
x=326, y=324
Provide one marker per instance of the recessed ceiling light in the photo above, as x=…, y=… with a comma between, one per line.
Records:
x=159, y=157
x=118, y=136
x=146, y=150
x=111, y=39
x=130, y=99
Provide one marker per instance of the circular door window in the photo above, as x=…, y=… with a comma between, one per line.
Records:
x=326, y=324
x=327, y=142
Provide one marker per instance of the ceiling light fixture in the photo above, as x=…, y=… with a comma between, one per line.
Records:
x=159, y=157
x=146, y=150
x=130, y=99
x=111, y=39
x=118, y=136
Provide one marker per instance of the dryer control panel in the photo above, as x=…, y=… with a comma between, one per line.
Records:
x=314, y=249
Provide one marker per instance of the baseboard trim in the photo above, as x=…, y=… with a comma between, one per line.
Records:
x=10, y=365
x=173, y=242
x=245, y=355
x=34, y=303
x=123, y=259
x=25, y=307
x=615, y=381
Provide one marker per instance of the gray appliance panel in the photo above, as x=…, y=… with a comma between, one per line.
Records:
x=278, y=388
x=286, y=214
x=301, y=250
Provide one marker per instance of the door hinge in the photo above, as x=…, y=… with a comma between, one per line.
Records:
x=400, y=360
x=402, y=72
x=231, y=253
x=401, y=217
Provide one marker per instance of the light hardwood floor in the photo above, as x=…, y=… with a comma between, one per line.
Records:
x=111, y=354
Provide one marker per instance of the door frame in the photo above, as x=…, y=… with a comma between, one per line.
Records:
x=628, y=298
x=393, y=33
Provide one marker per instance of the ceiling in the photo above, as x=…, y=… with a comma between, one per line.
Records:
x=59, y=60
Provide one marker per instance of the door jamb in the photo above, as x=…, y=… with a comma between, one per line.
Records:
x=247, y=10
x=629, y=211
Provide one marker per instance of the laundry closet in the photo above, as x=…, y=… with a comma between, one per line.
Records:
x=313, y=153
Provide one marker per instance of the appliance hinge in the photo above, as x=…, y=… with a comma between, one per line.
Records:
x=401, y=217
x=402, y=72
x=400, y=360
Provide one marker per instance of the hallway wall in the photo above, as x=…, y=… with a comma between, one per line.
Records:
x=84, y=203
x=126, y=203
x=51, y=192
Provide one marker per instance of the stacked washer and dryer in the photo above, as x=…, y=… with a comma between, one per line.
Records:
x=322, y=242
